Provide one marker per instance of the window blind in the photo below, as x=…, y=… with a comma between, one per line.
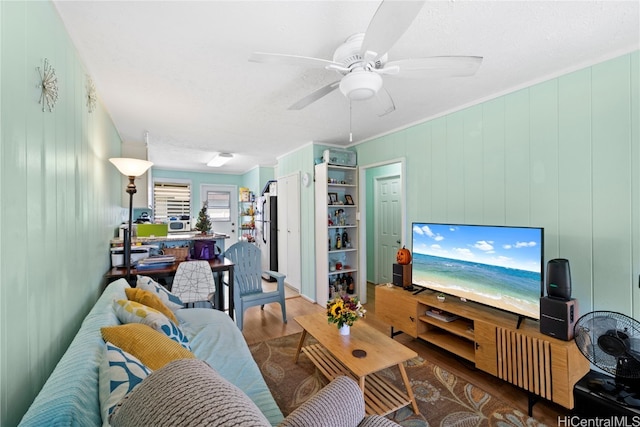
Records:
x=171, y=200
x=219, y=205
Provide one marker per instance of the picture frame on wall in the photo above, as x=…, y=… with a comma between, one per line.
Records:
x=348, y=200
x=333, y=198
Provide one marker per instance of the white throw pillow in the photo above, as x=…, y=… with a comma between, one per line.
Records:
x=170, y=300
x=133, y=312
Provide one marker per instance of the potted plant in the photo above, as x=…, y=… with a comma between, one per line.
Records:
x=440, y=297
x=204, y=222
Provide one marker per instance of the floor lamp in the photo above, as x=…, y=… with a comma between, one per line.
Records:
x=131, y=168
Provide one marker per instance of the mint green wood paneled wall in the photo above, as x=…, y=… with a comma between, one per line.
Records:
x=635, y=179
x=561, y=154
x=59, y=202
x=301, y=161
x=256, y=178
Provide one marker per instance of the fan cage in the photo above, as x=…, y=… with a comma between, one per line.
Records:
x=620, y=328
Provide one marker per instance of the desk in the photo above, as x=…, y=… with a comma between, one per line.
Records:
x=218, y=266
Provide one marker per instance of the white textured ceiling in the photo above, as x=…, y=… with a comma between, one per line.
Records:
x=180, y=69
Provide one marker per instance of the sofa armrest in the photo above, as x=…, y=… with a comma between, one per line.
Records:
x=339, y=404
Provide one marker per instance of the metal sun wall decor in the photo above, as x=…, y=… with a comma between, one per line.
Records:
x=48, y=86
x=91, y=95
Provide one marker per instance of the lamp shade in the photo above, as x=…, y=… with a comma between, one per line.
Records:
x=220, y=159
x=131, y=167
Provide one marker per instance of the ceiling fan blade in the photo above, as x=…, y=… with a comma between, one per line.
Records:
x=389, y=23
x=279, y=58
x=314, y=96
x=386, y=102
x=436, y=66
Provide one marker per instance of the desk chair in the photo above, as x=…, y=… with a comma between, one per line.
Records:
x=247, y=281
x=194, y=283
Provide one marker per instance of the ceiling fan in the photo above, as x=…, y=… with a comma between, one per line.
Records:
x=362, y=59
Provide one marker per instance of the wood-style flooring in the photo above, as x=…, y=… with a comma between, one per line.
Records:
x=260, y=325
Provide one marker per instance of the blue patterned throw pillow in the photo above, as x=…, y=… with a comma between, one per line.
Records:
x=120, y=372
x=169, y=299
x=133, y=312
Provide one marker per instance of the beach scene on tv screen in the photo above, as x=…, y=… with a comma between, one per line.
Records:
x=497, y=266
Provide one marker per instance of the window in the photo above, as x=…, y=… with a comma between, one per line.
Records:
x=171, y=200
x=219, y=205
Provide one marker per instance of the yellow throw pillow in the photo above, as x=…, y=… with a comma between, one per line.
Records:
x=154, y=349
x=150, y=299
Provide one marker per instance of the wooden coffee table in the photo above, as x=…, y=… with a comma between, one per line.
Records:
x=337, y=355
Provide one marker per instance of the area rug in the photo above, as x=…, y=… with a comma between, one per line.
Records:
x=444, y=399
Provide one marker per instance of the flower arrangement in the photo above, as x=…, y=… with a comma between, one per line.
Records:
x=344, y=310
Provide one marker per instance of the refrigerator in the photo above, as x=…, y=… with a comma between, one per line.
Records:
x=267, y=228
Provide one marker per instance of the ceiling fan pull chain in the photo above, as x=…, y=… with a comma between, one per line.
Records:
x=350, y=134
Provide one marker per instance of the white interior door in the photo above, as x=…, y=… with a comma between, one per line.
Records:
x=388, y=224
x=289, y=229
x=223, y=205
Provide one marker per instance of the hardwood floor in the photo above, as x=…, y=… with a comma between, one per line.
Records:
x=260, y=325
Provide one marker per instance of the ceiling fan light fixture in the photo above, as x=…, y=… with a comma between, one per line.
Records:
x=220, y=159
x=360, y=85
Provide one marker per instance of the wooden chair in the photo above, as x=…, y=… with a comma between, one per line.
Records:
x=194, y=283
x=247, y=281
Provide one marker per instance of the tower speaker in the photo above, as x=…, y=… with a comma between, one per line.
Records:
x=559, y=279
x=558, y=317
x=402, y=275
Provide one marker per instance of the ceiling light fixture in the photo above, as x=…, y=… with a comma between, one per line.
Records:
x=220, y=159
x=360, y=84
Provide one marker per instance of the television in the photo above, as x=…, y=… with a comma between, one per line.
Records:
x=499, y=266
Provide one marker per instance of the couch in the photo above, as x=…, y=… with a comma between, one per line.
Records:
x=220, y=375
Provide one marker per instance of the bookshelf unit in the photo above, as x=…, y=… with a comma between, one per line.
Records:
x=336, y=192
x=247, y=218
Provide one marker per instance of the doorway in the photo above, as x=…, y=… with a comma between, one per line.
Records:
x=383, y=220
x=387, y=225
x=222, y=207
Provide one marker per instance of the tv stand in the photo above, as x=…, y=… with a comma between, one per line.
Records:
x=542, y=365
x=421, y=289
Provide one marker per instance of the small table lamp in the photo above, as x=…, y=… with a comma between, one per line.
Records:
x=130, y=168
